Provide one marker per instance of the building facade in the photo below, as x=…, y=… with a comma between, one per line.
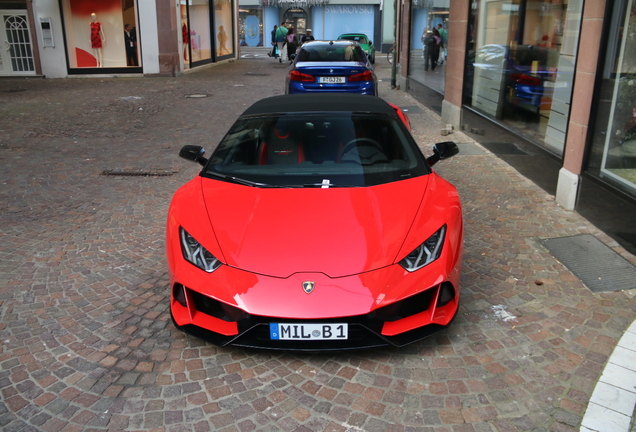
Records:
x=326, y=18
x=556, y=79
x=82, y=37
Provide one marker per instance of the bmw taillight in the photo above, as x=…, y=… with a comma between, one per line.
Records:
x=524, y=79
x=364, y=76
x=299, y=76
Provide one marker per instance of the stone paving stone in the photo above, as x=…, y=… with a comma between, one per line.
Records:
x=87, y=342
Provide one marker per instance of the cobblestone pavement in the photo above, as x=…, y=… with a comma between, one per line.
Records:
x=86, y=338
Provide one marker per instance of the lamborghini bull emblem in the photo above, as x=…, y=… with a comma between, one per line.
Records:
x=308, y=286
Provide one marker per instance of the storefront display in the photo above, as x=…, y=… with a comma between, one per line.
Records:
x=520, y=65
x=251, y=27
x=195, y=31
x=613, y=155
x=224, y=28
x=101, y=34
x=427, y=60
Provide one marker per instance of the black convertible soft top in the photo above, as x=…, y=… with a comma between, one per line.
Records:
x=297, y=103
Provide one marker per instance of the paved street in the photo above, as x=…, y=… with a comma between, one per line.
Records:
x=86, y=341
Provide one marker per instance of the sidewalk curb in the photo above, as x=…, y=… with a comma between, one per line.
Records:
x=611, y=406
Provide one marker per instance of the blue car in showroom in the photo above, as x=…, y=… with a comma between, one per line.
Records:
x=339, y=66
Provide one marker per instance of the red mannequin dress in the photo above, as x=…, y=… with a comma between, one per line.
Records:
x=96, y=38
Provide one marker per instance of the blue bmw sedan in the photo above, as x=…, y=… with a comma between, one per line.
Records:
x=331, y=66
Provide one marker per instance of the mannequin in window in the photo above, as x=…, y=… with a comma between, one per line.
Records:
x=130, y=38
x=185, y=36
x=97, y=40
x=222, y=37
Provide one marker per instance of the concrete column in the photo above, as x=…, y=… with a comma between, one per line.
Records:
x=580, y=115
x=168, y=35
x=455, y=63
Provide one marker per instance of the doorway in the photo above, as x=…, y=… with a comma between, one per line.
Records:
x=296, y=18
x=16, y=52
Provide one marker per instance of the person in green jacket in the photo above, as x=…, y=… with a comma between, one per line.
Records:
x=281, y=34
x=444, y=35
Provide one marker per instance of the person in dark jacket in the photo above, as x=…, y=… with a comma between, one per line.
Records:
x=273, y=53
x=435, y=48
x=307, y=37
x=429, y=43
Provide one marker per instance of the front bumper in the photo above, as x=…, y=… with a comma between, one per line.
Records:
x=365, y=331
x=219, y=307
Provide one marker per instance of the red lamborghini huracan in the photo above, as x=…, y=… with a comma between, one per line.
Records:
x=316, y=224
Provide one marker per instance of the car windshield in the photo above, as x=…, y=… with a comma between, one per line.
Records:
x=360, y=39
x=333, y=149
x=331, y=53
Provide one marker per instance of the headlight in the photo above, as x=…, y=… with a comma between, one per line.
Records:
x=196, y=254
x=425, y=253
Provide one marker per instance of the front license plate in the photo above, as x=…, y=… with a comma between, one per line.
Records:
x=331, y=80
x=282, y=331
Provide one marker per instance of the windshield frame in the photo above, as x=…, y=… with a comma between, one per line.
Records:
x=312, y=174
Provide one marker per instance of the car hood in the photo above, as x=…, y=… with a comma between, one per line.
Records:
x=335, y=231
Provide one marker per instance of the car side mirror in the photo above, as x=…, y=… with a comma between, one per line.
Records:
x=443, y=150
x=370, y=42
x=193, y=153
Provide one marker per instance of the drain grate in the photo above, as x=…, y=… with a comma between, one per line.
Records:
x=592, y=261
x=137, y=173
x=256, y=74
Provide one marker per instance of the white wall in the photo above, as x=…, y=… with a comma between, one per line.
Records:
x=147, y=12
x=53, y=60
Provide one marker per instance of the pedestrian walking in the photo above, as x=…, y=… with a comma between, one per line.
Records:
x=307, y=37
x=281, y=34
x=444, y=46
x=437, y=46
x=429, y=43
x=292, y=44
x=273, y=53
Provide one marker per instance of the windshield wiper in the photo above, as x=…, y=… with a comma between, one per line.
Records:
x=242, y=181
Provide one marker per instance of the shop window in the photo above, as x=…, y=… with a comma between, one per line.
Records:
x=101, y=34
x=195, y=32
x=251, y=27
x=613, y=152
x=224, y=28
x=520, y=65
x=427, y=64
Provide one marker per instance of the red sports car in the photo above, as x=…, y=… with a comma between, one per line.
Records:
x=316, y=224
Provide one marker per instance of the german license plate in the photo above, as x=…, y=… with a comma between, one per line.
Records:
x=557, y=84
x=331, y=80
x=284, y=331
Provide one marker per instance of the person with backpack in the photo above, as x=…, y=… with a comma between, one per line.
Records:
x=292, y=44
x=281, y=40
x=435, y=48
